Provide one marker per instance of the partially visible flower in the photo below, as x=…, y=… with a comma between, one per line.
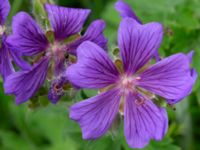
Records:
x=130, y=89
x=4, y=11
x=6, y=67
x=6, y=54
x=125, y=11
x=49, y=57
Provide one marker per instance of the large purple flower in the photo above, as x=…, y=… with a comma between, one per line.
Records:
x=50, y=59
x=130, y=90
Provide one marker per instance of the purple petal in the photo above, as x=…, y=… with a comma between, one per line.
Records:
x=17, y=58
x=144, y=121
x=190, y=83
x=190, y=56
x=24, y=84
x=94, y=34
x=138, y=43
x=6, y=67
x=188, y=88
x=168, y=78
x=66, y=21
x=60, y=65
x=94, y=68
x=4, y=11
x=7, y=56
x=125, y=10
x=27, y=35
x=157, y=56
x=95, y=115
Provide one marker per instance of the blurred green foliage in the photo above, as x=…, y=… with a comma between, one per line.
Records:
x=49, y=127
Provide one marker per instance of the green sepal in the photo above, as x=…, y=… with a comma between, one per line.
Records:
x=71, y=38
x=50, y=36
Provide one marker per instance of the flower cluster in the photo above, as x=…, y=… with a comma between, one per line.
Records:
x=49, y=57
x=129, y=86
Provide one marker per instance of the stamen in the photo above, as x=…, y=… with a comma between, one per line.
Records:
x=121, y=106
x=2, y=30
x=119, y=65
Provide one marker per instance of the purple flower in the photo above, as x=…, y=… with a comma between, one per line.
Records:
x=129, y=91
x=6, y=53
x=6, y=67
x=49, y=58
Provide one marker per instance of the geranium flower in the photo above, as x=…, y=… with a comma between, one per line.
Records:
x=30, y=40
x=130, y=89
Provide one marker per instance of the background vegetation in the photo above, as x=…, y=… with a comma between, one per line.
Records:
x=49, y=127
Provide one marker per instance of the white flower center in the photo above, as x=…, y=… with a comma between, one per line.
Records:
x=127, y=84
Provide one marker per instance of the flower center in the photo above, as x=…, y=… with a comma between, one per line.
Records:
x=127, y=84
x=59, y=58
x=57, y=50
